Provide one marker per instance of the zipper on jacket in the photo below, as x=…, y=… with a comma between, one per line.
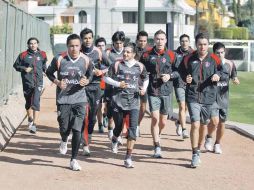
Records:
x=200, y=80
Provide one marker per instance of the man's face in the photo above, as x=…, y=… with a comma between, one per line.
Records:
x=142, y=41
x=33, y=45
x=202, y=46
x=118, y=45
x=74, y=48
x=101, y=46
x=128, y=54
x=185, y=43
x=221, y=53
x=88, y=40
x=160, y=41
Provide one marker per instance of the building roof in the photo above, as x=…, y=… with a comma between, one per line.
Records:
x=155, y=5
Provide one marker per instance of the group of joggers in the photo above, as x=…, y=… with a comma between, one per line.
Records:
x=115, y=85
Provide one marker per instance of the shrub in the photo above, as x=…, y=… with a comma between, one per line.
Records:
x=64, y=29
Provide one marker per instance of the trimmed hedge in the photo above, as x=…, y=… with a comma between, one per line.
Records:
x=240, y=33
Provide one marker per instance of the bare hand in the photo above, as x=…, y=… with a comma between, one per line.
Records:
x=97, y=72
x=165, y=77
x=123, y=84
x=236, y=81
x=215, y=78
x=83, y=81
x=62, y=84
x=188, y=79
x=28, y=69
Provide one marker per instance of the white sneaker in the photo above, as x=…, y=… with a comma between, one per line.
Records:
x=32, y=128
x=110, y=134
x=178, y=128
x=63, y=147
x=74, y=165
x=195, y=161
x=138, y=131
x=157, y=152
x=208, y=144
x=86, y=151
x=128, y=162
x=114, y=147
x=120, y=140
x=217, y=149
x=185, y=134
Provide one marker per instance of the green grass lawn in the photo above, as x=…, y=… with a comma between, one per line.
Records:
x=241, y=107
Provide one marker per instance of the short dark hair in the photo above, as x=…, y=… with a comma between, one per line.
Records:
x=160, y=32
x=72, y=37
x=218, y=45
x=132, y=46
x=101, y=39
x=141, y=33
x=201, y=36
x=118, y=36
x=184, y=36
x=85, y=31
x=32, y=38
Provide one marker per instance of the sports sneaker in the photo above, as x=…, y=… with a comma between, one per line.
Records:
x=157, y=152
x=114, y=147
x=128, y=162
x=105, y=121
x=101, y=129
x=110, y=134
x=86, y=151
x=74, y=165
x=120, y=140
x=32, y=128
x=195, y=161
x=185, y=134
x=138, y=131
x=217, y=149
x=178, y=128
x=208, y=143
x=63, y=147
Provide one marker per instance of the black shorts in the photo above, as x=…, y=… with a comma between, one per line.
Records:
x=32, y=97
x=71, y=116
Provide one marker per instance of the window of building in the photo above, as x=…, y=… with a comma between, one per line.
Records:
x=156, y=17
x=41, y=18
x=82, y=17
x=130, y=17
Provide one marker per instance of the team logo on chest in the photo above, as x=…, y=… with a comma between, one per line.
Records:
x=163, y=60
x=207, y=64
x=38, y=58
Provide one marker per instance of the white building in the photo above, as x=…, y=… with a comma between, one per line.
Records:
x=114, y=15
x=53, y=15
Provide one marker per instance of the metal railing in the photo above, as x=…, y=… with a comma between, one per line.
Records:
x=16, y=27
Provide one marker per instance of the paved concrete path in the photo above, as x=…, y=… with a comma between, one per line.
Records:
x=33, y=161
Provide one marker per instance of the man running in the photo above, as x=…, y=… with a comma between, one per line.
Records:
x=74, y=71
x=180, y=87
x=220, y=107
x=115, y=53
x=202, y=73
x=142, y=46
x=158, y=62
x=93, y=90
x=124, y=76
x=32, y=63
